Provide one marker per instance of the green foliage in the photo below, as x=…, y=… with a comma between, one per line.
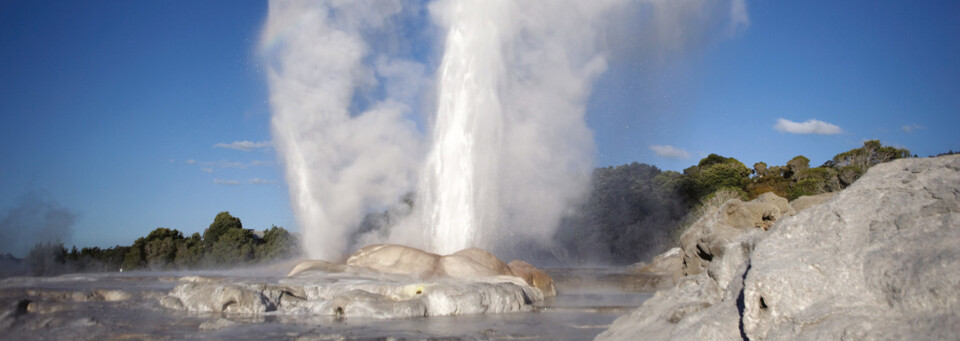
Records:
x=797, y=165
x=223, y=223
x=96, y=259
x=190, y=252
x=711, y=174
x=160, y=247
x=165, y=248
x=235, y=246
x=157, y=251
x=870, y=154
x=850, y=165
x=277, y=244
x=760, y=169
x=135, y=258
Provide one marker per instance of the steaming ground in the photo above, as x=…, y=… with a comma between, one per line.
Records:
x=35, y=219
x=126, y=305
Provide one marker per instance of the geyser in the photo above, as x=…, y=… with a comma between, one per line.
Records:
x=510, y=148
x=504, y=151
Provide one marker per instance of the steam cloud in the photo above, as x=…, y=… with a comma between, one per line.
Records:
x=35, y=219
x=338, y=164
x=508, y=153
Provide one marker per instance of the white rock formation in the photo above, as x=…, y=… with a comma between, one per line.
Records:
x=878, y=261
x=378, y=281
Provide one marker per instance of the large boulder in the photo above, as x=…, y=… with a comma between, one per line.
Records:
x=709, y=238
x=878, y=261
x=881, y=260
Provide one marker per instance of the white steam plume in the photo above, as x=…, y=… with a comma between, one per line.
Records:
x=338, y=164
x=510, y=150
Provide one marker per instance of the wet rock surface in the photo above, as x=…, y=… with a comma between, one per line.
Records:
x=239, y=305
x=322, y=300
x=877, y=261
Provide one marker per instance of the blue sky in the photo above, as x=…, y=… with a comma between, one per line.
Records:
x=113, y=109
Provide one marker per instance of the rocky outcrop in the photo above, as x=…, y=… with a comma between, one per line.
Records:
x=669, y=263
x=349, y=296
x=380, y=282
x=807, y=201
x=878, y=261
x=716, y=232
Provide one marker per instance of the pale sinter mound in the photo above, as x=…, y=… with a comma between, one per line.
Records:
x=378, y=281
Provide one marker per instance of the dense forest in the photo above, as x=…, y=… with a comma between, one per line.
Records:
x=633, y=212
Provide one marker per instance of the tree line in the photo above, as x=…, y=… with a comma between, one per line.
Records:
x=224, y=243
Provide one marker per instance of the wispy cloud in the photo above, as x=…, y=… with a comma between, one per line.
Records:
x=910, y=128
x=207, y=170
x=226, y=182
x=811, y=126
x=259, y=181
x=669, y=152
x=191, y=161
x=245, y=146
x=235, y=164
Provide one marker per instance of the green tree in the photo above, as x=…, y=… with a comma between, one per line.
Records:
x=235, y=246
x=853, y=163
x=797, y=165
x=222, y=223
x=156, y=251
x=713, y=173
x=760, y=169
x=135, y=257
x=277, y=244
x=190, y=252
x=160, y=247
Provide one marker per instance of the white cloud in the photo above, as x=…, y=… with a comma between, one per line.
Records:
x=224, y=164
x=910, y=128
x=811, y=126
x=259, y=181
x=669, y=152
x=245, y=146
x=226, y=182
x=191, y=161
x=208, y=170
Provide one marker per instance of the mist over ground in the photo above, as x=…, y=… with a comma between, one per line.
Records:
x=35, y=219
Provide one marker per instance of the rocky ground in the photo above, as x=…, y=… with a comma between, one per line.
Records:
x=383, y=291
x=880, y=260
